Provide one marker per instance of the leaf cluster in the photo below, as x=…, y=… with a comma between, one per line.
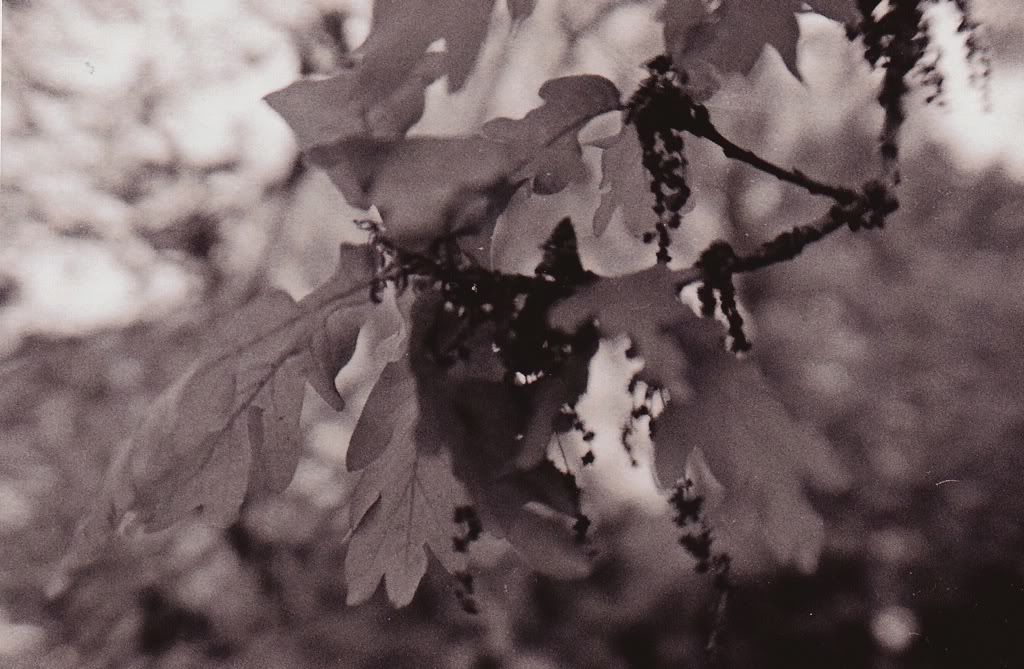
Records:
x=476, y=373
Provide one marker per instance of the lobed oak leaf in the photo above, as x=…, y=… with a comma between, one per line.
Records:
x=754, y=447
x=349, y=105
x=680, y=19
x=184, y=459
x=254, y=351
x=420, y=203
x=335, y=334
x=375, y=428
x=720, y=404
x=226, y=432
x=625, y=185
x=424, y=187
x=464, y=421
x=459, y=458
x=736, y=35
x=402, y=31
x=414, y=497
x=545, y=141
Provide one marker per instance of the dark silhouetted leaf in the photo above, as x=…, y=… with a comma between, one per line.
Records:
x=410, y=443
x=482, y=419
x=647, y=307
x=680, y=17
x=844, y=11
x=520, y=10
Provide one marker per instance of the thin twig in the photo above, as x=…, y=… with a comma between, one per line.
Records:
x=868, y=210
x=704, y=128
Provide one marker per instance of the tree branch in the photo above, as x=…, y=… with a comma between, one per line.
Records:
x=718, y=262
x=699, y=125
x=662, y=105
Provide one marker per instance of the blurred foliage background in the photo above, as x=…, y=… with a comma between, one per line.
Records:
x=147, y=189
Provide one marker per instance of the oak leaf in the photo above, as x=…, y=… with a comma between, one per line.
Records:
x=625, y=185
x=754, y=447
x=545, y=142
x=720, y=404
x=404, y=503
x=322, y=111
x=424, y=187
x=734, y=37
x=403, y=29
x=333, y=337
x=252, y=352
x=225, y=433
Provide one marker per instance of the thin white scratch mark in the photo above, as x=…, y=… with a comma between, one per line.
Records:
x=948, y=481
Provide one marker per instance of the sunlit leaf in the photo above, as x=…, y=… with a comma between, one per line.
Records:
x=414, y=500
x=680, y=17
x=625, y=185
x=545, y=141
x=327, y=110
x=333, y=338
x=735, y=36
x=762, y=456
x=199, y=428
x=403, y=29
x=424, y=188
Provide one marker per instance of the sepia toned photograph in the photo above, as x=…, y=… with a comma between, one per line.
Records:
x=512, y=334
